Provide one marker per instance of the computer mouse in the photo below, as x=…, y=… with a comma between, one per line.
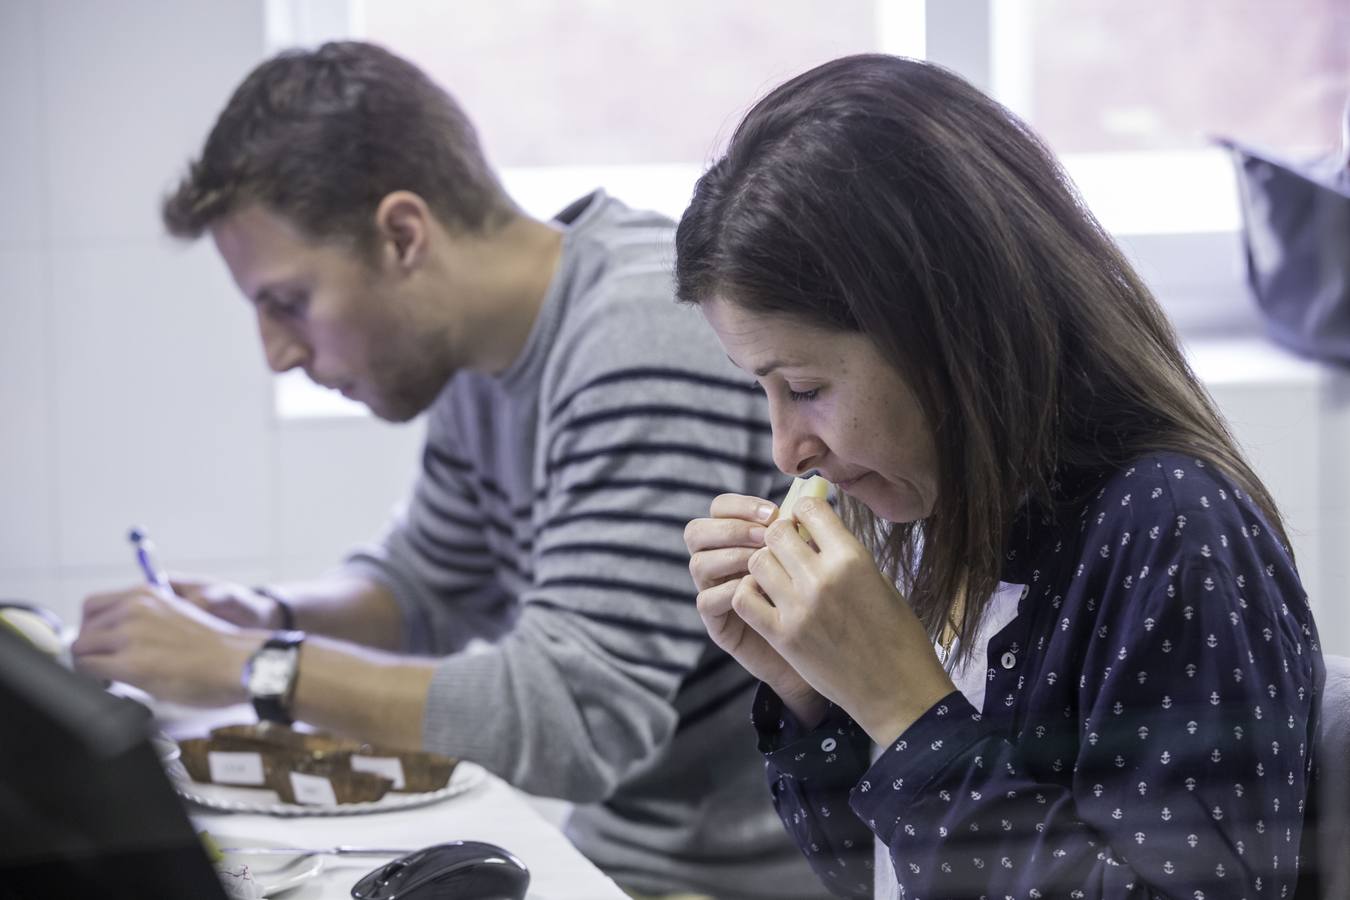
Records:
x=458, y=870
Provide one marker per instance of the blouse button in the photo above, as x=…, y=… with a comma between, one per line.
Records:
x=1009, y=659
x=827, y=745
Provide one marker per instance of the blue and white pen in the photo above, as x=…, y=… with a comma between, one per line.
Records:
x=145, y=555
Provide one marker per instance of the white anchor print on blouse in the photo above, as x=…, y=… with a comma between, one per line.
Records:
x=1202, y=692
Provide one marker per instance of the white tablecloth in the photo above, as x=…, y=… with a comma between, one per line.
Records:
x=490, y=811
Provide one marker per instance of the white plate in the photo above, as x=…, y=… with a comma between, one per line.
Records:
x=273, y=874
x=228, y=798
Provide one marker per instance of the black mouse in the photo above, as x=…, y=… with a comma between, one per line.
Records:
x=462, y=870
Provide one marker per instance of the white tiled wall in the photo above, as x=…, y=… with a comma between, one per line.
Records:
x=157, y=376
x=23, y=213
x=128, y=90
x=27, y=482
x=133, y=390
x=336, y=481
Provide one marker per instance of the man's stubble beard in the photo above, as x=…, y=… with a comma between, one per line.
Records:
x=416, y=380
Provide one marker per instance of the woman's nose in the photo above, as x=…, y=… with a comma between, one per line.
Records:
x=795, y=449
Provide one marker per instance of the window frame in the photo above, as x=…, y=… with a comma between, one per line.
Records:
x=1190, y=256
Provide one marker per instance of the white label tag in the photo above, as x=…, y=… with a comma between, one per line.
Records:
x=388, y=766
x=313, y=790
x=235, y=768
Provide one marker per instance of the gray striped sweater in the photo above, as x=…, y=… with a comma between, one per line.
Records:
x=548, y=520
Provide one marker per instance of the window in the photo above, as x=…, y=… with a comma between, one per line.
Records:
x=569, y=95
x=1130, y=100
x=1106, y=76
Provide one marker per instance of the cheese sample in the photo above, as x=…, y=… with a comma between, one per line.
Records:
x=815, y=486
x=40, y=630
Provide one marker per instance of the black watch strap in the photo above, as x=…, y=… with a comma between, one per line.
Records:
x=283, y=605
x=272, y=709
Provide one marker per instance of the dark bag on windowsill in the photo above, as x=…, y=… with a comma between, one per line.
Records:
x=1296, y=231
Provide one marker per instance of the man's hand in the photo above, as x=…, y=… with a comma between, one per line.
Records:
x=231, y=602
x=164, y=645
x=173, y=649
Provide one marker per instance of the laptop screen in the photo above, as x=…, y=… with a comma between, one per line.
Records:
x=86, y=809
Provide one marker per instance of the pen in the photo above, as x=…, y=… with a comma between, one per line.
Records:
x=145, y=555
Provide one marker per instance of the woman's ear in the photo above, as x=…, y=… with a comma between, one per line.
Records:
x=403, y=224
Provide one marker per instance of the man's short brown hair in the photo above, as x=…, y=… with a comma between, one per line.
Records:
x=321, y=136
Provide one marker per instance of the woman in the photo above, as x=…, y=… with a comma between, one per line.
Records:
x=1032, y=481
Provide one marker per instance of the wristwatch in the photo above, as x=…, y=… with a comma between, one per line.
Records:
x=271, y=673
x=283, y=602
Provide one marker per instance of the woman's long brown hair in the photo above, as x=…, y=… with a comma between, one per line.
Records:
x=887, y=196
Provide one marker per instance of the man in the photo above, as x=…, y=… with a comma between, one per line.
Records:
x=577, y=419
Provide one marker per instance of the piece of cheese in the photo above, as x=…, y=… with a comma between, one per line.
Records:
x=815, y=486
x=39, y=632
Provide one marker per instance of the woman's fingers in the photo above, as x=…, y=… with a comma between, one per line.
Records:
x=710, y=567
x=740, y=506
x=734, y=520
x=719, y=547
x=772, y=579
x=790, y=550
x=708, y=534
x=716, y=601
x=828, y=531
x=753, y=606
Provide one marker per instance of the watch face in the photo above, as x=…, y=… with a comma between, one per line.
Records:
x=271, y=672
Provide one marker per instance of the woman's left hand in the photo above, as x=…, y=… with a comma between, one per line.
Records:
x=837, y=619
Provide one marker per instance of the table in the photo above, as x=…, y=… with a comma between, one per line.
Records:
x=491, y=811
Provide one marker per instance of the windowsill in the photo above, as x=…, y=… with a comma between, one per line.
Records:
x=1220, y=360
x=298, y=399
x=1158, y=192
x=1189, y=254
x=1250, y=360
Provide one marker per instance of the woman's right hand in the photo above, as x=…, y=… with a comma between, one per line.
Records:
x=720, y=547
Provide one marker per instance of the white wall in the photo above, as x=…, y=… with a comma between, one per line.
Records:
x=134, y=393
x=1292, y=417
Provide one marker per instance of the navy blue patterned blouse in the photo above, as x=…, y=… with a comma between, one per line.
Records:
x=1146, y=730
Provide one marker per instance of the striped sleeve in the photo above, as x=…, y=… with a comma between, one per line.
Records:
x=435, y=555
x=633, y=456
x=633, y=442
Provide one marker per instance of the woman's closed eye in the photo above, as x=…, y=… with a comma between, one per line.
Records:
x=795, y=396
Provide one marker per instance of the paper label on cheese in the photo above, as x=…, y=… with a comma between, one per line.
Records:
x=235, y=768
x=386, y=766
x=313, y=790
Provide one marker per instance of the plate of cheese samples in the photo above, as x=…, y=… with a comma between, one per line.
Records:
x=273, y=769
